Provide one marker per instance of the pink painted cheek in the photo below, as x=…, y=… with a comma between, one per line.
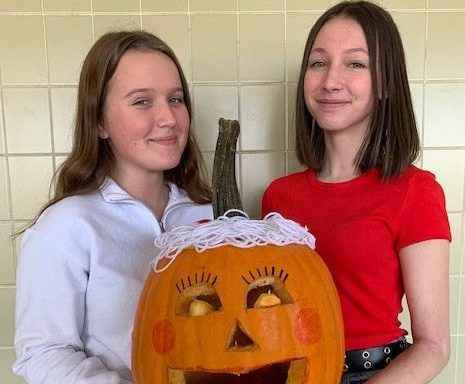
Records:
x=163, y=336
x=307, y=326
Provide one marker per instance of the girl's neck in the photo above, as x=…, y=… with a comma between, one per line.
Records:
x=152, y=190
x=337, y=173
x=339, y=161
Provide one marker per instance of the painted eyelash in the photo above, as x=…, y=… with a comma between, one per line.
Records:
x=189, y=281
x=267, y=271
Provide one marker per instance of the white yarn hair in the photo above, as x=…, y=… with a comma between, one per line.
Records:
x=238, y=231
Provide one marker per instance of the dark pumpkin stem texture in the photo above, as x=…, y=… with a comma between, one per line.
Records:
x=225, y=192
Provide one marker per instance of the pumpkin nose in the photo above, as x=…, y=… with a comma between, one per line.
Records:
x=238, y=339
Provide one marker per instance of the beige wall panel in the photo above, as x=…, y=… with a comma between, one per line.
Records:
x=212, y=103
x=174, y=30
x=20, y=6
x=112, y=23
x=257, y=171
x=403, y=4
x=67, y=5
x=7, y=272
x=454, y=295
x=306, y=5
x=30, y=180
x=212, y=5
x=2, y=138
x=68, y=40
x=7, y=300
x=412, y=27
x=456, y=249
x=208, y=158
x=27, y=120
x=442, y=124
x=164, y=5
x=416, y=92
x=115, y=5
x=261, y=47
x=262, y=113
x=4, y=200
x=63, y=112
x=217, y=60
x=446, y=165
x=446, y=4
x=461, y=323
x=261, y=5
x=291, y=99
x=460, y=357
x=446, y=46
x=293, y=164
x=22, y=49
x=298, y=27
x=7, y=357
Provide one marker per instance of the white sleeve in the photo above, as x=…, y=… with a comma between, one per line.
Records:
x=50, y=306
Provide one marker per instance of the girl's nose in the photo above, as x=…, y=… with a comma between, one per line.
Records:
x=164, y=115
x=333, y=79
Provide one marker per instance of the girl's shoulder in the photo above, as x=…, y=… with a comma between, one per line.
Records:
x=292, y=179
x=70, y=213
x=415, y=178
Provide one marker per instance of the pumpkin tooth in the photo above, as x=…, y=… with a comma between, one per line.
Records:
x=266, y=300
x=200, y=308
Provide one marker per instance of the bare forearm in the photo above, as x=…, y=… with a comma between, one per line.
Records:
x=417, y=365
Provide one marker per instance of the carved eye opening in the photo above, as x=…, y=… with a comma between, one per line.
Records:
x=267, y=291
x=198, y=300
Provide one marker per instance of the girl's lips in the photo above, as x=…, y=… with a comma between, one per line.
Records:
x=330, y=104
x=165, y=140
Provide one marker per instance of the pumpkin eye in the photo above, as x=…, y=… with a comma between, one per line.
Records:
x=198, y=300
x=266, y=292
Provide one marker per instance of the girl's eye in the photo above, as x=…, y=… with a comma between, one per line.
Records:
x=357, y=64
x=177, y=100
x=316, y=64
x=142, y=102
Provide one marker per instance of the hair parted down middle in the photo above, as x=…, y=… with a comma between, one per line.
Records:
x=392, y=142
x=91, y=158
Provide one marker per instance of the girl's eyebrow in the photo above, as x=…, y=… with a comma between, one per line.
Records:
x=137, y=90
x=350, y=50
x=141, y=90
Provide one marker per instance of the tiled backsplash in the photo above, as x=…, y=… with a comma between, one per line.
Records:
x=241, y=59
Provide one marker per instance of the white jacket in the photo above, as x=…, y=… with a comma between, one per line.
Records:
x=81, y=270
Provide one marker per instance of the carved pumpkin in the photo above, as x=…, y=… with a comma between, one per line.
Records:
x=265, y=314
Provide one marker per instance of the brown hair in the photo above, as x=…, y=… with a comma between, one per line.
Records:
x=392, y=141
x=91, y=158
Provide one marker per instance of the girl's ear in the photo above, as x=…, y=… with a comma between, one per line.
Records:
x=102, y=133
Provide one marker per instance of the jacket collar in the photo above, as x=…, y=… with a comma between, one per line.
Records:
x=112, y=193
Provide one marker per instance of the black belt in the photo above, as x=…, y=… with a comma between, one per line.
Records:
x=371, y=359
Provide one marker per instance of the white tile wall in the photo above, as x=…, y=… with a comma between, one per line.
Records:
x=242, y=59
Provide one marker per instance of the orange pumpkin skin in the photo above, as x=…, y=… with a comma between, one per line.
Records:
x=307, y=325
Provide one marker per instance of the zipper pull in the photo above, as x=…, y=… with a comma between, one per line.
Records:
x=162, y=228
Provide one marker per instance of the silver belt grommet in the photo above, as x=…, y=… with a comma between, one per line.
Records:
x=367, y=364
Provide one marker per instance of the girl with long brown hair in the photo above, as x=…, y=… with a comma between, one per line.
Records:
x=133, y=172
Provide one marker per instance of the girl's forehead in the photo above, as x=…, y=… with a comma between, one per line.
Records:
x=340, y=35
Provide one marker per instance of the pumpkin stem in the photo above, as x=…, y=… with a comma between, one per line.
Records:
x=225, y=192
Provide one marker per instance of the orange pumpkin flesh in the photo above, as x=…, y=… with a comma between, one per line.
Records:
x=267, y=314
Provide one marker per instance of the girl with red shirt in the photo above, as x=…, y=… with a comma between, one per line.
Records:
x=380, y=222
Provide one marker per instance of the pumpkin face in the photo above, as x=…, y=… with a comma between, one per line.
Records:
x=267, y=314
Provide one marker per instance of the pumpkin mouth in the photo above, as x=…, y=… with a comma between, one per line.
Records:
x=291, y=372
